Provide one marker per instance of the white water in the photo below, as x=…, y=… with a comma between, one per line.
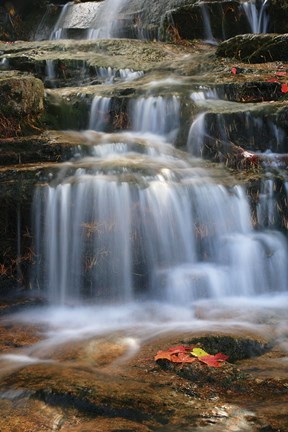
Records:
x=128, y=225
x=208, y=34
x=257, y=15
x=103, y=20
x=147, y=239
x=99, y=114
x=108, y=75
x=157, y=115
x=106, y=24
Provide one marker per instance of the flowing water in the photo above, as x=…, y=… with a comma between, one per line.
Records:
x=130, y=218
x=112, y=18
x=257, y=15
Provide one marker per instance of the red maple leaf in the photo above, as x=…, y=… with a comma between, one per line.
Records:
x=221, y=357
x=275, y=80
x=210, y=360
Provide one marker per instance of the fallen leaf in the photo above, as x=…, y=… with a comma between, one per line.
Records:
x=284, y=88
x=281, y=73
x=199, y=352
x=221, y=357
x=163, y=355
x=178, y=354
x=182, y=354
x=234, y=71
x=210, y=360
x=275, y=80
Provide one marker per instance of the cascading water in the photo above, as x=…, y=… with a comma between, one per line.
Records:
x=106, y=24
x=165, y=231
x=208, y=34
x=156, y=114
x=257, y=15
x=137, y=219
x=99, y=114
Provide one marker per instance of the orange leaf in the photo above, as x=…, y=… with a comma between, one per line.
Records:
x=178, y=354
x=163, y=355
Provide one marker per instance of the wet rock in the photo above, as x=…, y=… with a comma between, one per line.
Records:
x=226, y=19
x=83, y=388
x=251, y=91
x=80, y=61
x=255, y=48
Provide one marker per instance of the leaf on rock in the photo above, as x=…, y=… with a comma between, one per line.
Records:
x=210, y=360
x=163, y=355
x=273, y=80
x=186, y=358
x=178, y=354
x=221, y=357
x=182, y=354
x=199, y=352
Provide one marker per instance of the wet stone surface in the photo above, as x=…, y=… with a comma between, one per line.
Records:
x=98, y=384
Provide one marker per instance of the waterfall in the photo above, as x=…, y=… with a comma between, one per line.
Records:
x=50, y=73
x=58, y=31
x=156, y=114
x=122, y=225
x=208, y=34
x=257, y=15
x=106, y=24
x=99, y=114
x=134, y=218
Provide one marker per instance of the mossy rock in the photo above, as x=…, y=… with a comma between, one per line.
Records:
x=20, y=95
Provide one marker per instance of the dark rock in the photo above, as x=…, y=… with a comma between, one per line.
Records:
x=236, y=348
x=255, y=48
x=226, y=19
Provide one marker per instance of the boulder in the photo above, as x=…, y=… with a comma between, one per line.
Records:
x=21, y=95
